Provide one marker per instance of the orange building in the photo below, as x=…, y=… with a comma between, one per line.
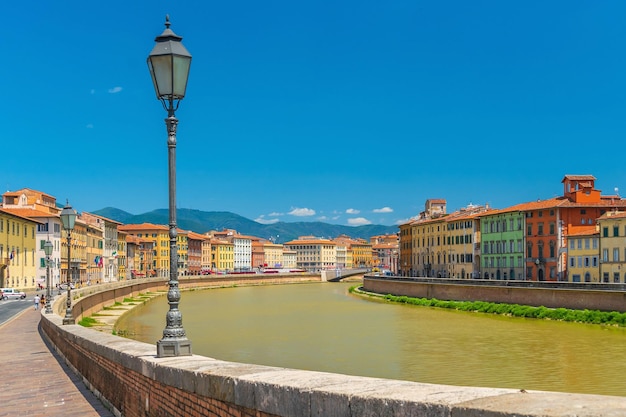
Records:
x=550, y=222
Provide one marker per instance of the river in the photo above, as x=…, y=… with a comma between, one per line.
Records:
x=320, y=326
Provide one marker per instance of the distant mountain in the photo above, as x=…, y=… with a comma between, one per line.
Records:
x=204, y=221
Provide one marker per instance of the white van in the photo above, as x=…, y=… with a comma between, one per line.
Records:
x=12, y=294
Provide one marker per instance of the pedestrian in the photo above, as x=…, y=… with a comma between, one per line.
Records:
x=43, y=301
x=37, y=299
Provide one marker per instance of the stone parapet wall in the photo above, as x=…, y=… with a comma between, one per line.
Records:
x=129, y=377
x=552, y=295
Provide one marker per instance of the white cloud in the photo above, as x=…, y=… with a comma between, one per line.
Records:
x=358, y=221
x=322, y=218
x=302, y=212
x=353, y=211
x=275, y=214
x=115, y=90
x=383, y=210
x=261, y=219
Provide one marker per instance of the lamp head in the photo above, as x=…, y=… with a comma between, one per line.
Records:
x=169, y=64
x=68, y=217
x=47, y=248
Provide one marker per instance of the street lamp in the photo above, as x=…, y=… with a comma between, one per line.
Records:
x=169, y=64
x=47, y=249
x=68, y=218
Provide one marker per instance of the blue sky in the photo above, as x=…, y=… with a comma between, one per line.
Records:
x=350, y=112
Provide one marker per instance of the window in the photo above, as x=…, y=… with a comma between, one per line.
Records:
x=580, y=243
x=605, y=256
x=615, y=255
x=587, y=243
x=615, y=231
x=615, y=276
x=540, y=229
x=540, y=214
x=605, y=232
x=594, y=242
x=529, y=232
x=586, y=259
x=572, y=244
x=572, y=262
x=580, y=261
x=594, y=261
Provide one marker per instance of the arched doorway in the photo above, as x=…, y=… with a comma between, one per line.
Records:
x=540, y=276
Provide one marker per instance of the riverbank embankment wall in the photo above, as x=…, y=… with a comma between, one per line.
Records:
x=133, y=382
x=546, y=294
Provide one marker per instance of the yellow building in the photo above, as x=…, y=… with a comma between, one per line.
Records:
x=123, y=272
x=160, y=238
x=222, y=256
x=273, y=255
x=78, y=254
x=359, y=252
x=18, y=244
x=462, y=238
x=429, y=252
x=314, y=254
x=612, y=242
x=583, y=254
x=94, y=253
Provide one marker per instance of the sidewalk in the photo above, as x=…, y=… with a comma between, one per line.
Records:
x=35, y=381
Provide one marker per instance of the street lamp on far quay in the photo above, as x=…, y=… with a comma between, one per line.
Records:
x=68, y=218
x=169, y=64
x=47, y=249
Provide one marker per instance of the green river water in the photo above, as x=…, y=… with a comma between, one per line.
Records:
x=322, y=327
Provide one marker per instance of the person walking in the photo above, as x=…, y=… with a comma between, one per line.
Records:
x=37, y=299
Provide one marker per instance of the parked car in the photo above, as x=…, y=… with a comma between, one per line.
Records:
x=63, y=286
x=12, y=294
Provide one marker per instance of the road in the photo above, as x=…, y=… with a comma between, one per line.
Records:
x=9, y=308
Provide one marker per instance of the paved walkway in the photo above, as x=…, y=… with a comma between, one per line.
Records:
x=33, y=379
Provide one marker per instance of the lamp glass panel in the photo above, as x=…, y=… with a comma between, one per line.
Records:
x=161, y=69
x=181, y=72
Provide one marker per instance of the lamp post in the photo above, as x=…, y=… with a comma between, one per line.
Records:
x=47, y=249
x=169, y=64
x=68, y=218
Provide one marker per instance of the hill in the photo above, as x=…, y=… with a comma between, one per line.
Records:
x=203, y=221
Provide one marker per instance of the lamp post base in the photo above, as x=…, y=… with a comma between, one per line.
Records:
x=170, y=347
x=69, y=320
